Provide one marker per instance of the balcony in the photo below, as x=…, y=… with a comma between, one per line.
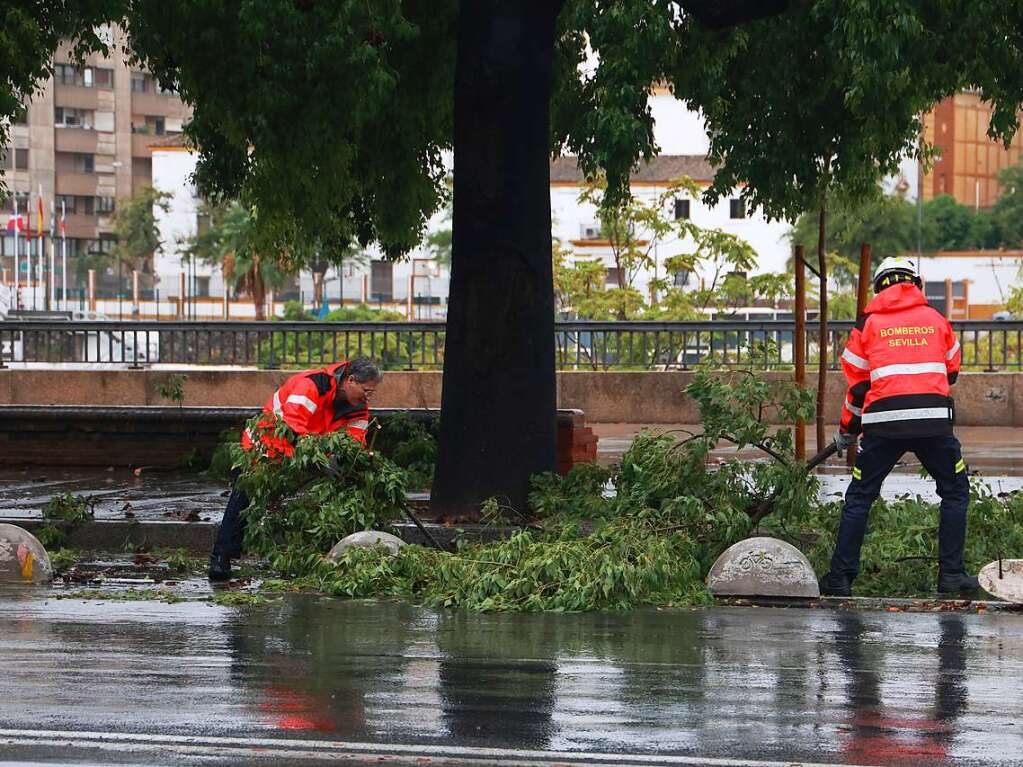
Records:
x=149, y=103
x=75, y=140
x=75, y=96
x=140, y=143
x=77, y=183
x=80, y=225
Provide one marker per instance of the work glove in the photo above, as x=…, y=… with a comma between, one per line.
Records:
x=844, y=441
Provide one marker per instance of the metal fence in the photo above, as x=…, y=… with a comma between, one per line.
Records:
x=765, y=345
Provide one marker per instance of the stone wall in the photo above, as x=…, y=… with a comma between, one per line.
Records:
x=982, y=399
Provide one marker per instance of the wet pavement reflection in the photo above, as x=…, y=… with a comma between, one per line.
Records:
x=815, y=685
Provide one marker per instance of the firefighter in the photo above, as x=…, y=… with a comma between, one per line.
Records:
x=900, y=361
x=311, y=402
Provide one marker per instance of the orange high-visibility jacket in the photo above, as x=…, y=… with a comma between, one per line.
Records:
x=306, y=403
x=900, y=361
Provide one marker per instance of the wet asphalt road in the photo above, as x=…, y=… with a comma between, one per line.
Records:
x=309, y=680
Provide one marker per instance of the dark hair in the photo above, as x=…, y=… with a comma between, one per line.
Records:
x=363, y=369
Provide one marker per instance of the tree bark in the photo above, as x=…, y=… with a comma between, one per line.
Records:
x=499, y=397
x=822, y=345
x=258, y=290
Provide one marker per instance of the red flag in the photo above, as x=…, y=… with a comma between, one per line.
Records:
x=15, y=222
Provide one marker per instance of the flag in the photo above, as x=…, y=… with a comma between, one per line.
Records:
x=16, y=222
x=63, y=230
x=39, y=224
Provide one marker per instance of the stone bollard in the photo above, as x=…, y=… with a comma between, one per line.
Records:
x=763, y=567
x=367, y=539
x=1003, y=579
x=22, y=557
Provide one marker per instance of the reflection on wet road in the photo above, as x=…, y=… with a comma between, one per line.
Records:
x=740, y=683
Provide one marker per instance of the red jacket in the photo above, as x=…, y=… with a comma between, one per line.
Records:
x=306, y=402
x=900, y=361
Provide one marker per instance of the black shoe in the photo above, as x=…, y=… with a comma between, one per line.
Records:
x=955, y=583
x=835, y=585
x=220, y=567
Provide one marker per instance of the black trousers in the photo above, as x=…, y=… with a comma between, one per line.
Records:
x=232, y=528
x=943, y=459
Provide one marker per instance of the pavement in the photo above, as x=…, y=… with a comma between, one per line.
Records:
x=308, y=680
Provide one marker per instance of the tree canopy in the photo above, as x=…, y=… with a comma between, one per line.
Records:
x=331, y=118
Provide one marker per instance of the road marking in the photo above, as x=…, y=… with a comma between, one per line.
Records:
x=335, y=750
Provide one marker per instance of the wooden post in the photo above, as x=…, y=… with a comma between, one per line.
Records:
x=181, y=295
x=822, y=334
x=799, y=344
x=948, y=297
x=862, y=297
x=92, y=290
x=227, y=305
x=408, y=298
x=364, y=293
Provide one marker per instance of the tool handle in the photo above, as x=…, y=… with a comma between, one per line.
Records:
x=821, y=457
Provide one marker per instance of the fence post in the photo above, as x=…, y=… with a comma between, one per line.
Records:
x=92, y=290
x=799, y=344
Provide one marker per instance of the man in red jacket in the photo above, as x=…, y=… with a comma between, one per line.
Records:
x=311, y=402
x=900, y=361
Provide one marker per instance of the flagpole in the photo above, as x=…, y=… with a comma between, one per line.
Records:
x=17, y=260
x=29, y=283
x=52, y=284
x=40, y=250
x=63, y=257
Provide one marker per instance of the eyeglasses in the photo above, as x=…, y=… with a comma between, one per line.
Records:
x=367, y=391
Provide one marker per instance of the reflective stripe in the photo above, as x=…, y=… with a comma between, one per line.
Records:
x=961, y=466
x=855, y=361
x=301, y=399
x=910, y=369
x=952, y=352
x=852, y=408
x=360, y=424
x=857, y=474
x=278, y=411
x=912, y=414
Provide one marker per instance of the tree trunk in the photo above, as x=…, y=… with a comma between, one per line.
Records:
x=258, y=290
x=499, y=397
x=822, y=365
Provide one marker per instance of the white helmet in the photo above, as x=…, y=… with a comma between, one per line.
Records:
x=893, y=270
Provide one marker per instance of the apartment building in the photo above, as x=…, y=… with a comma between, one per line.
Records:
x=83, y=143
x=969, y=161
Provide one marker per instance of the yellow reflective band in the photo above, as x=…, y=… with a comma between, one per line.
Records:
x=857, y=474
x=961, y=466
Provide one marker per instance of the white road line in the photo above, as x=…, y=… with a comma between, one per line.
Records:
x=279, y=748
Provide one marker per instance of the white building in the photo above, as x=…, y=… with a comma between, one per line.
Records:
x=577, y=227
x=417, y=288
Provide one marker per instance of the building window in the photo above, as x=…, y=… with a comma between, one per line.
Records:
x=68, y=117
x=381, y=282
x=65, y=203
x=139, y=82
x=682, y=278
x=65, y=74
x=103, y=77
x=20, y=159
x=737, y=208
x=87, y=205
x=613, y=275
x=83, y=163
x=159, y=126
x=202, y=287
x=681, y=209
x=105, y=205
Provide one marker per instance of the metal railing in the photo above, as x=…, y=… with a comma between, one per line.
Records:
x=579, y=345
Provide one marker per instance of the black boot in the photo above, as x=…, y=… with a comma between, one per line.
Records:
x=835, y=585
x=955, y=583
x=220, y=567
